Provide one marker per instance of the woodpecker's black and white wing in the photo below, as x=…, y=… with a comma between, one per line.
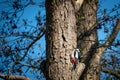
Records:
x=77, y=54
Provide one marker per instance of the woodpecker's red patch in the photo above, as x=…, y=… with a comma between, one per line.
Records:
x=73, y=60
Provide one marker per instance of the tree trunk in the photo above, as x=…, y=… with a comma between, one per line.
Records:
x=87, y=39
x=61, y=38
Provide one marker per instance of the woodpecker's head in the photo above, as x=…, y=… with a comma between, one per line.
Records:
x=77, y=50
x=75, y=56
x=72, y=57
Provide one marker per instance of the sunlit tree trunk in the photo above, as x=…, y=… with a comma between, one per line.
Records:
x=61, y=38
x=87, y=39
x=62, y=17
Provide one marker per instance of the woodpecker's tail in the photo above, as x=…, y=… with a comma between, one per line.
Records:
x=74, y=66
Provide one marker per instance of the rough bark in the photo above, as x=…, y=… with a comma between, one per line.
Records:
x=87, y=39
x=93, y=70
x=86, y=21
x=61, y=39
x=95, y=60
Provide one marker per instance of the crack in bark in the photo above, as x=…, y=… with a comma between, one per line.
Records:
x=63, y=36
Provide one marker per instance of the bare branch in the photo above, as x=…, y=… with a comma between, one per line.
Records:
x=31, y=44
x=111, y=71
x=77, y=4
x=8, y=73
x=111, y=38
x=88, y=32
x=13, y=77
x=113, y=35
x=78, y=71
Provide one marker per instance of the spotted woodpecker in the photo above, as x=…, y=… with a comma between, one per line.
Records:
x=75, y=57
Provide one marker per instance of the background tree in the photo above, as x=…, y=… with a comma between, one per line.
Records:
x=92, y=49
x=87, y=24
x=71, y=26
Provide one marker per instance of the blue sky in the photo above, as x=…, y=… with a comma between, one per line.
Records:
x=108, y=5
x=30, y=13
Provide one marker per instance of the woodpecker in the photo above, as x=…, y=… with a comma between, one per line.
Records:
x=75, y=57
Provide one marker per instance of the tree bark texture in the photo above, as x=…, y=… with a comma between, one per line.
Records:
x=87, y=39
x=61, y=38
